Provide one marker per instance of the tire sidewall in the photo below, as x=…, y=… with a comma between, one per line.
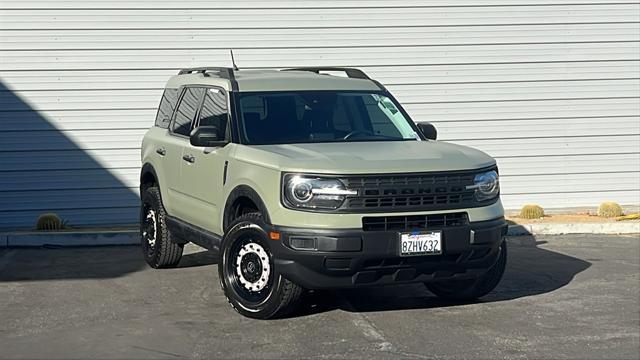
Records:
x=255, y=230
x=166, y=253
x=150, y=201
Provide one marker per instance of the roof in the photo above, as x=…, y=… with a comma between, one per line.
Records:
x=273, y=80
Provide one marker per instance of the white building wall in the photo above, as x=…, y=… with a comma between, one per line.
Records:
x=549, y=88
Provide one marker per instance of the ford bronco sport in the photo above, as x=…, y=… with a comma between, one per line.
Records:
x=301, y=179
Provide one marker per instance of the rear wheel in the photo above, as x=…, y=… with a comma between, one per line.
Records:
x=467, y=290
x=247, y=273
x=157, y=246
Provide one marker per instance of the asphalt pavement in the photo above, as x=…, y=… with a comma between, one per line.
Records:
x=562, y=297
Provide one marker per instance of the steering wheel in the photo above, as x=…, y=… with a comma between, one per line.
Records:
x=357, y=132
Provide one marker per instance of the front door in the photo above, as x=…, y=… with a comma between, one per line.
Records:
x=203, y=169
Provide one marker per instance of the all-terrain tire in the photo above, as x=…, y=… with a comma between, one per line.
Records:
x=278, y=297
x=157, y=244
x=468, y=290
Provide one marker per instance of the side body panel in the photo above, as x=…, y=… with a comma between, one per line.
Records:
x=172, y=196
x=164, y=153
x=153, y=145
x=202, y=186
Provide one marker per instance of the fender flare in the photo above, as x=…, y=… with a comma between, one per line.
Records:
x=147, y=169
x=238, y=192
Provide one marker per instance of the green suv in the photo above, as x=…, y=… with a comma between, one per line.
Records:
x=303, y=179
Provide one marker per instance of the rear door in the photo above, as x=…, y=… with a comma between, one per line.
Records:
x=175, y=200
x=203, y=170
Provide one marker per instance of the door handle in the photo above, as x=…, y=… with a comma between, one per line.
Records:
x=189, y=158
x=162, y=151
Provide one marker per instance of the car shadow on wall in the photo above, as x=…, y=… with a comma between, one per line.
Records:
x=531, y=270
x=44, y=168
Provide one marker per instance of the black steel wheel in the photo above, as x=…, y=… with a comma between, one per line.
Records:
x=248, y=275
x=249, y=269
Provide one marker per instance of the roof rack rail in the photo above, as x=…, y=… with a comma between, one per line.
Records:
x=351, y=72
x=224, y=71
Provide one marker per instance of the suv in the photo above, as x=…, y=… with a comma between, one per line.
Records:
x=301, y=179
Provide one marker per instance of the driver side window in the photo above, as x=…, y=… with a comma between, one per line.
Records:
x=214, y=112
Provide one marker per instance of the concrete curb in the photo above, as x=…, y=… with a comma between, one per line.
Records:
x=71, y=238
x=132, y=237
x=575, y=228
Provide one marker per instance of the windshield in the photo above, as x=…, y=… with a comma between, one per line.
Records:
x=321, y=116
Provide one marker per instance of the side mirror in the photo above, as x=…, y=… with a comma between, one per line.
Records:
x=429, y=131
x=206, y=136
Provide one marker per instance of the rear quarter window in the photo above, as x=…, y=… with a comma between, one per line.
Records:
x=167, y=104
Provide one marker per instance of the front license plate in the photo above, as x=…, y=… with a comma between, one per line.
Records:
x=425, y=243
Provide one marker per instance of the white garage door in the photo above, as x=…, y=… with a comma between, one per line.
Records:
x=550, y=88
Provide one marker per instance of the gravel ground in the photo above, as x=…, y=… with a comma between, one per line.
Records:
x=562, y=297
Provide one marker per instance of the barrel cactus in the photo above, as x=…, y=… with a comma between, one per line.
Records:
x=531, y=212
x=609, y=210
x=49, y=221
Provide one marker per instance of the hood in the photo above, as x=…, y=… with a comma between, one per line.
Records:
x=365, y=157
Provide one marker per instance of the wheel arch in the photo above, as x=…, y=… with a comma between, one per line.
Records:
x=242, y=195
x=148, y=175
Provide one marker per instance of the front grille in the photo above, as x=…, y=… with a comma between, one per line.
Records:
x=411, y=192
x=413, y=222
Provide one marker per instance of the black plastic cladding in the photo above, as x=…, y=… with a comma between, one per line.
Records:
x=414, y=222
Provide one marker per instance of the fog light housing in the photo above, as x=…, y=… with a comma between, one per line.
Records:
x=302, y=243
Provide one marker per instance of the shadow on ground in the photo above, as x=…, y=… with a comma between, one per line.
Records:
x=198, y=259
x=103, y=262
x=531, y=270
x=36, y=264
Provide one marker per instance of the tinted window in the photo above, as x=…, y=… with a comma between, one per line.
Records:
x=214, y=111
x=186, y=111
x=165, y=110
x=322, y=116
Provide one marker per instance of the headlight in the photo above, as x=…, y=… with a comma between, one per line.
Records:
x=486, y=185
x=312, y=192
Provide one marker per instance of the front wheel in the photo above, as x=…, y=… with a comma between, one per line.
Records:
x=248, y=277
x=467, y=290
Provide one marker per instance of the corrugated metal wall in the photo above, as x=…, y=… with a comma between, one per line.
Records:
x=550, y=88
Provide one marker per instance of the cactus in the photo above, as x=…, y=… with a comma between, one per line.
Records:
x=49, y=221
x=531, y=212
x=609, y=210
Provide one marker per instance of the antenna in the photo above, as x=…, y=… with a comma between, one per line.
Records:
x=233, y=61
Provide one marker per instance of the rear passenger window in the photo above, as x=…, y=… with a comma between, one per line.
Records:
x=186, y=111
x=165, y=110
x=214, y=111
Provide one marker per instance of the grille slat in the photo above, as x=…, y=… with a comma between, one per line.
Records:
x=413, y=222
x=410, y=192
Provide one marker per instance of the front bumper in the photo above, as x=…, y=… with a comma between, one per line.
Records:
x=355, y=258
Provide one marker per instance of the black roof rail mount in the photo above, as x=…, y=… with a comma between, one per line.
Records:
x=351, y=72
x=224, y=71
